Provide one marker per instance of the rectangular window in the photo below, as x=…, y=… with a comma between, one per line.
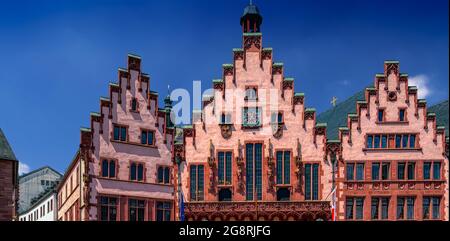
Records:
x=426, y=170
x=283, y=167
x=380, y=208
x=360, y=171
x=436, y=170
x=401, y=115
x=359, y=203
x=411, y=170
x=436, y=207
x=384, y=141
x=136, y=172
x=136, y=210
x=349, y=208
x=375, y=171
x=375, y=208
x=164, y=175
x=253, y=153
x=410, y=208
x=412, y=141
x=380, y=115
x=147, y=137
x=369, y=141
x=405, y=141
x=196, y=182
x=350, y=171
x=312, y=181
x=163, y=211
x=120, y=133
x=426, y=207
x=401, y=171
x=108, y=168
x=385, y=171
x=108, y=209
x=384, y=208
x=400, y=208
x=376, y=143
x=224, y=168
x=398, y=141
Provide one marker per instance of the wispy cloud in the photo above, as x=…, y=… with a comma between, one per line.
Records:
x=23, y=168
x=422, y=82
x=344, y=82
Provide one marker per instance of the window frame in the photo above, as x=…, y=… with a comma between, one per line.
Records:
x=147, y=131
x=109, y=160
x=144, y=171
x=120, y=126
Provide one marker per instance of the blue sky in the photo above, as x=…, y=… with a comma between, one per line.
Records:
x=57, y=57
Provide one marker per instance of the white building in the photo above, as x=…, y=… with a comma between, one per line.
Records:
x=44, y=209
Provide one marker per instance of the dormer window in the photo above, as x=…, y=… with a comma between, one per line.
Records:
x=251, y=93
x=134, y=104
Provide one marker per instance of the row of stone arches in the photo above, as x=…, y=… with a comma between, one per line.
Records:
x=262, y=216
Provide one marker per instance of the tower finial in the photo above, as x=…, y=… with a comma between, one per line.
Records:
x=251, y=2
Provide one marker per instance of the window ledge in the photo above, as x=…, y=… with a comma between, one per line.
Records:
x=133, y=143
x=247, y=126
x=392, y=122
x=392, y=149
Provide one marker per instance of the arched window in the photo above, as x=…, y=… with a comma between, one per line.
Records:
x=225, y=195
x=283, y=194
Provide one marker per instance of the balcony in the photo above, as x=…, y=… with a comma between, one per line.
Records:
x=258, y=211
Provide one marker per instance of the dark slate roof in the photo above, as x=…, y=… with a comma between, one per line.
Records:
x=337, y=116
x=251, y=9
x=6, y=153
x=441, y=111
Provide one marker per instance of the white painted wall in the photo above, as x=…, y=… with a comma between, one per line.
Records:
x=49, y=209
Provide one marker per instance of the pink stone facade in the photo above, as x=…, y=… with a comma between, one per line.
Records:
x=391, y=93
x=298, y=133
x=119, y=168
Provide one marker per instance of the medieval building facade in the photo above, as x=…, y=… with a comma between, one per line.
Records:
x=254, y=152
x=123, y=168
x=391, y=160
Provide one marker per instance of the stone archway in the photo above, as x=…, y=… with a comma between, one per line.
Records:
x=307, y=216
x=323, y=216
x=277, y=217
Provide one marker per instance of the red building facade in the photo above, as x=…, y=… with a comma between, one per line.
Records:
x=392, y=162
x=254, y=152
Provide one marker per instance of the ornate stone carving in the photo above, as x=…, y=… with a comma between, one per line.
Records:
x=391, y=67
x=238, y=55
x=228, y=71
x=392, y=96
x=226, y=130
x=277, y=129
x=240, y=165
x=272, y=210
x=298, y=162
x=266, y=54
x=270, y=165
x=288, y=85
x=250, y=41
